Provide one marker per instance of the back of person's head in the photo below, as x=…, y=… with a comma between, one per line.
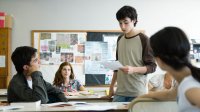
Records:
x=172, y=46
x=22, y=56
x=127, y=11
x=58, y=80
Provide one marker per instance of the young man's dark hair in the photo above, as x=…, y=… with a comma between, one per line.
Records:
x=28, y=84
x=22, y=56
x=127, y=11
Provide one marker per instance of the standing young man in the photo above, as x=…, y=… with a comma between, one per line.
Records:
x=134, y=52
x=28, y=84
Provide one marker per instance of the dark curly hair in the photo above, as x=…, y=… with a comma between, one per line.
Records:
x=127, y=11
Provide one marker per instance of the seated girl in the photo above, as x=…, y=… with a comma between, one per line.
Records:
x=65, y=80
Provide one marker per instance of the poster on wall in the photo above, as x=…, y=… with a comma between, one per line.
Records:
x=96, y=73
x=112, y=45
x=95, y=53
x=56, y=48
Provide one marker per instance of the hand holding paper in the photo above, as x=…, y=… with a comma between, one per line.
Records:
x=113, y=65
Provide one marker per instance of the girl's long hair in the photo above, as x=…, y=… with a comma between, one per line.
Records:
x=59, y=79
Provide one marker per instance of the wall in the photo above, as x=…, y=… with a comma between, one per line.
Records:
x=97, y=15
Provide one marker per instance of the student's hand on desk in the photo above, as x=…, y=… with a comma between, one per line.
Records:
x=66, y=93
x=71, y=93
x=86, y=93
x=106, y=97
x=111, y=93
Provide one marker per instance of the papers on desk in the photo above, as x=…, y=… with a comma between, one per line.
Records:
x=27, y=104
x=96, y=107
x=3, y=92
x=113, y=65
x=57, y=104
x=10, y=107
x=82, y=106
x=6, y=106
x=77, y=103
x=63, y=104
x=85, y=93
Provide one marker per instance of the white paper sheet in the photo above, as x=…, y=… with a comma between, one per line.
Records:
x=2, y=61
x=96, y=107
x=113, y=65
x=55, y=104
x=3, y=108
x=35, y=104
x=64, y=103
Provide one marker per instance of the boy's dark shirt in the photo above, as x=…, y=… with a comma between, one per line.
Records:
x=19, y=91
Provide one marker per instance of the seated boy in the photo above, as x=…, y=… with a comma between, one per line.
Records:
x=28, y=84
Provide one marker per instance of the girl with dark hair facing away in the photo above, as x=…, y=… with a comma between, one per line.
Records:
x=65, y=80
x=171, y=49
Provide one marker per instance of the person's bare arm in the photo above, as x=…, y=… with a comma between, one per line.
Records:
x=112, y=85
x=193, y=96
x=162, y=95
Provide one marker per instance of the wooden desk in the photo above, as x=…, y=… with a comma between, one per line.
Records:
x=85, y=98
x=89, y=98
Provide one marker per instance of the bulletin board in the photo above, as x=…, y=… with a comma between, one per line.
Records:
x=57, y=46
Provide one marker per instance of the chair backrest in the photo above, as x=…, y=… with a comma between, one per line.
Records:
x=154, y=106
